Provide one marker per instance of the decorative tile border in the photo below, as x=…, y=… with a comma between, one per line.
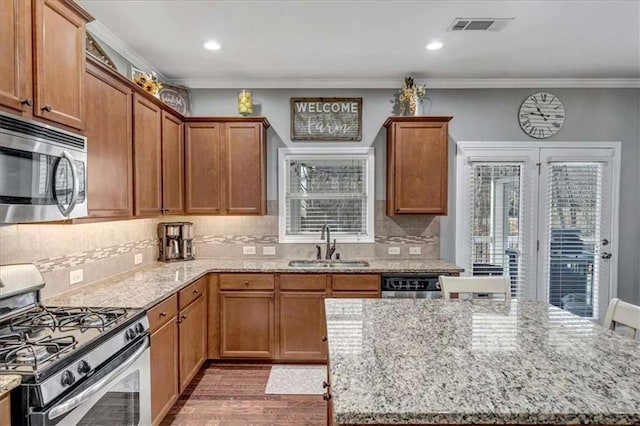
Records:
x=406, y=239
x=235, y=239
x=74, y=259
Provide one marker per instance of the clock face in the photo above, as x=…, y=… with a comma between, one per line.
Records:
x=541, y=115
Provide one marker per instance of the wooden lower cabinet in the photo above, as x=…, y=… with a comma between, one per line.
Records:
x=164, y=369
x=247, y=324
x=355, y=294
x=302, y=325
x=193, y=338
x=5, y=410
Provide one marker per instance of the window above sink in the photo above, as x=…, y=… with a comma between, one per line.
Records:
x=332, y=186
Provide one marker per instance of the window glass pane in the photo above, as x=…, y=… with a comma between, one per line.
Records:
x=312, y=176
x=306, y=216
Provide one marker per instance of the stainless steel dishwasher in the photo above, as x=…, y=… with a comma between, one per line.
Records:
x=410, y=286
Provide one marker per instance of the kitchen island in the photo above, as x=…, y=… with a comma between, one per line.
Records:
x=476, y=362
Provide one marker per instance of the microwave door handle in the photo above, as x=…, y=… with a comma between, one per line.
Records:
x=75, y=186
x=71, y=403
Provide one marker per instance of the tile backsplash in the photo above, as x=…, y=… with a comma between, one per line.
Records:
x=107, y=248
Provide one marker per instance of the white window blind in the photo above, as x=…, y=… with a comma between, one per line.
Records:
x=573, y=214
x=495, y=221
x=335, y=190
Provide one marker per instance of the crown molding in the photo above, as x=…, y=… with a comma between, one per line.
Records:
x=101, y=32
x=364, y=83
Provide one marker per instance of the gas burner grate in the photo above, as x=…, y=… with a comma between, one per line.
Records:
x=17, y=351
x=84, y=318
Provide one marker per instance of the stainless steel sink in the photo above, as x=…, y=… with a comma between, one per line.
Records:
x=329, y=263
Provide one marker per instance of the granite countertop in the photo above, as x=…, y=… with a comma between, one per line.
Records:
x=144, y=287
x=400, y=361
x=8, y=382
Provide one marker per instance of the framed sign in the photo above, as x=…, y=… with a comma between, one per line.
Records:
x=176, y=97
x=328, y=119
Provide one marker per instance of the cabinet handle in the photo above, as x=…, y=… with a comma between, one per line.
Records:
x=325, y=385
x=163, y=314
x=183, y=317
x=324, y=338
x=27, y=101
x=47, y=108
x=326, y=396
x=195, y=291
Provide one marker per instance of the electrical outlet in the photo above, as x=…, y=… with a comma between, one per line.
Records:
x=393, y=250
x=268, y=250
x=75, y=277
x=415, y=250
x=137, y=259
x=249, y=250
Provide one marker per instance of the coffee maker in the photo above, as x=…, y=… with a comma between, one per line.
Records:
x=176, y=241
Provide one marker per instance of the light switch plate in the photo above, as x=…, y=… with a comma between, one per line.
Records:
x=415, y=250
x=249, y=250
x=75, y=277
x=137, y=259
x=393, y=250
x=268, y=250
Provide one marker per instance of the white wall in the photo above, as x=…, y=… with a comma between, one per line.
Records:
x=482, y=114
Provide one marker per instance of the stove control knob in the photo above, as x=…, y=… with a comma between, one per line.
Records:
x=67, y=378
x=84, y=367
x=130, y=334
x=139, y=327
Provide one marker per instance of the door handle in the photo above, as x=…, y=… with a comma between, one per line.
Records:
x=606, y=255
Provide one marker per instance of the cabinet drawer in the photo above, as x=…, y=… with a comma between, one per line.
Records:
x=162, y=312
x=246, y=282
x=355, y=295
x=303, y=282
x=355, y=282
x=191, y=292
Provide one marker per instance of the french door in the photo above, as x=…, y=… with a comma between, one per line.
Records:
x=543, y=216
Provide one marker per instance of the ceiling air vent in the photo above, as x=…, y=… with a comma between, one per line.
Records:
x=479, y=24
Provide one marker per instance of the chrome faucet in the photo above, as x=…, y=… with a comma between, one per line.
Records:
x=329, y=251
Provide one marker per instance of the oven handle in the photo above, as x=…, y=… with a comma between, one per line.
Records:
x=75, y=186
x=71, y=403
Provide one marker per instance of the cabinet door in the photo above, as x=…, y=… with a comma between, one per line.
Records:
x=147, y=154
x=15, y=51
x=417, y=167
x=59, y=38
x=164, y=369
x=172, y=164
x=302, y=325
x=193, y=338
x=202, y=177
x=247, y=324
x=244, y=183
x=109, y=151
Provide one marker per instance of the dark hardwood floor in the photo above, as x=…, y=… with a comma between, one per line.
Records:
x=233, y=395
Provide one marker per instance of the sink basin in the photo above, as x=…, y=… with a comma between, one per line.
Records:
x=329, y=263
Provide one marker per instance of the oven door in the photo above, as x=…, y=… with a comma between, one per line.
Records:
x=40, y=181
x=119, y=393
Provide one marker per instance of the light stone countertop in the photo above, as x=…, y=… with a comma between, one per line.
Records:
x=8, y=382
x=401, y=361
x=144, y=287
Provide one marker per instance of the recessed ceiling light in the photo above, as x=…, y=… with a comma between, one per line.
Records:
x=435, y=45
x=212, y=45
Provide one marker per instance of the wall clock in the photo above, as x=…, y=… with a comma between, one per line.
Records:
x=541, y=115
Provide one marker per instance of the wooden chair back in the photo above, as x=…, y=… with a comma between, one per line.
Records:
x=625, y=314
x=475, y=285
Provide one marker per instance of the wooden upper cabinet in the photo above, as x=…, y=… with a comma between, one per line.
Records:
x=202, y=174
x=109, y=147
x=417, y=165
x=16, y=90
x=147, y=154
x=59, y=54
x=244, y=165
x=172, y=164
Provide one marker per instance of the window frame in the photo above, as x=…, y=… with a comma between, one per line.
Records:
x=323, y=153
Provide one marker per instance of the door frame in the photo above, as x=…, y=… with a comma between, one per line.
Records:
x=510, y=150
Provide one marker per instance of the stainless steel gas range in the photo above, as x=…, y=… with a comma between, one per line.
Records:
x=79, y=365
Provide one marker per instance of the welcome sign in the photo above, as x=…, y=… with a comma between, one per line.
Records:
x=330, y=119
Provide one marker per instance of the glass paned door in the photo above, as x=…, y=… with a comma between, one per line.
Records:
x=575, y=228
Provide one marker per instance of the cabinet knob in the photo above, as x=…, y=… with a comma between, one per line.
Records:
x=195, y=291
x=246, y=282
x=326, y=396
x=325, y=385
x=183, y=317
x=163, y=314
x=27, y=101
x=47, y=108
x=324, y=338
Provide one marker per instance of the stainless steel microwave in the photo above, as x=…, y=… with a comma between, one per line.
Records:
x=43, y=172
